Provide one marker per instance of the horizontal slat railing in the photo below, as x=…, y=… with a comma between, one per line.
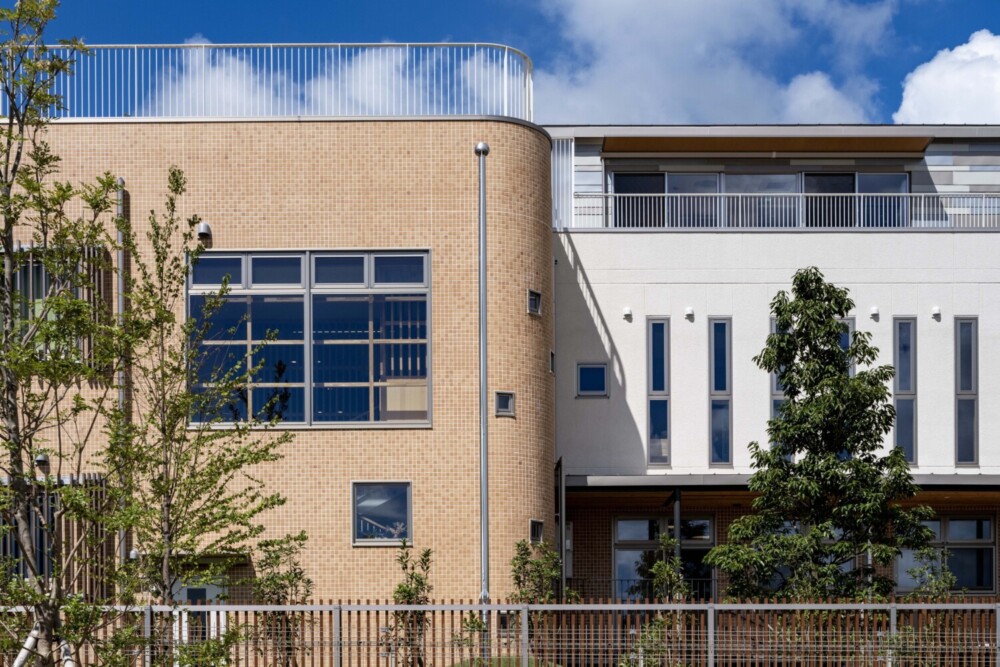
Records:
x=747, y=633
x=291, y=80
x=749, y=212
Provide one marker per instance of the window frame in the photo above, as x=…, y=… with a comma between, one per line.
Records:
x=943, y=541
x=720, y=395
x=307, y=290
x=531, y=531
x=592, y=394
x=664, y=527
x=497, y=411
x=381, y=542
x=657, y=394
x=905, y=394
x=531, y=293
x=967, y=394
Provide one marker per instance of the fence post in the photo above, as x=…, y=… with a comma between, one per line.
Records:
x=711, y=635
x=892, y=635
x=525, y=646
x=996, y=623
x=337, y=646
x=147, y=633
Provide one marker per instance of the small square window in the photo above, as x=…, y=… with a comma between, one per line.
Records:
x=534, y=302
x=592, y=380
x=504, y=402
x=536, y=529
x=382, y=512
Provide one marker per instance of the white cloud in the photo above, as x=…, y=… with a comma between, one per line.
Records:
x=960, y=85
x=354, y=81
x=710, y=61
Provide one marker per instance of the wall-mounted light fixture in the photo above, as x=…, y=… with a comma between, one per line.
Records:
x=936, y=312
x=689, y=313
x=627, y=314
x=204, y=231
x=874, y=313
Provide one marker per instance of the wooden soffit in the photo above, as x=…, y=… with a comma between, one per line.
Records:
x=728, y=145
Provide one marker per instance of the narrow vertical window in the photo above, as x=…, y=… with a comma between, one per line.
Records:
x=905, y=386
x=966, y=391
x=659, y=391
x=720, y=391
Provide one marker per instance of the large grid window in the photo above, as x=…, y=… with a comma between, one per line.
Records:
x=659, y=391
x=335, y=338
x=970, y=545
x=905, y=385
x=966, y=391
x=720, y=391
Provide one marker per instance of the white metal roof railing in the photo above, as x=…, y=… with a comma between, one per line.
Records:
x=749, y=212
x=291, y=80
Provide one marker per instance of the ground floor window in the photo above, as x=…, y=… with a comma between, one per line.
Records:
x=636, y=550
x=971, y=548
x=382, y=512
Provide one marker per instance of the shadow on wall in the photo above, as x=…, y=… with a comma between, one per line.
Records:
x=594, y=435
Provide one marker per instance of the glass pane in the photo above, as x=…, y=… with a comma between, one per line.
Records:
x=592, y=379
x=399, y=317
x=399, y=269
x=340, y=363
x=216, y=361
x=906, y=426
x=401, y=403
x=227, y=322
x=278, y=316
x=212, y=270
x=639, y=184
x=280, y=363
x=638, y=530
x=829, y=184
x=935, y=527
x=341, y=404
x=693, y=183
x=340, y=318
x=658, y=331
x=340, y=271
x=720, y=355
x=845, y=337
x=720, y=432
x=696, y=530
x=883, y=183
x=210, y=405
x=632, y=573
x=904, y=356
x=659, y=431
x=276, y=270
x=381, y=512
x=638, y=211
x=281, y=403
x=966, y=356
x=964, y=530
x=972, y=567
x=697, y=573
x=965, y=416
x=400, y=360
x=750, y=183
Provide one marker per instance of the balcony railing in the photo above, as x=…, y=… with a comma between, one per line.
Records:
x=292, y=80
x=748, y=212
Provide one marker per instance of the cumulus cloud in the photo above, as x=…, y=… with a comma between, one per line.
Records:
x=960, y=85
x=205, y=80
x=711, y=61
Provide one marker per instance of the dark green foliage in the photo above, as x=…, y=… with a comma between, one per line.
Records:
x=405, y=638
x=536, y=572
x=827, y=520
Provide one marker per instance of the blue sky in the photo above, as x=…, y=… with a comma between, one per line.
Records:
x=656, y=61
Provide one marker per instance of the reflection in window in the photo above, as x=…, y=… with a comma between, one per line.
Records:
x=720, y=381
x=969, y=544
x=637, y=550
x=382, y=512
x=905, y=386
x=966, y=391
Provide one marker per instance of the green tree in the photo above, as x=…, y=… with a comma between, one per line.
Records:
x=827, y=519
x=59, y=350
x=280, y=579
x=409, y=627
x=536, y=572
x=189, y=467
